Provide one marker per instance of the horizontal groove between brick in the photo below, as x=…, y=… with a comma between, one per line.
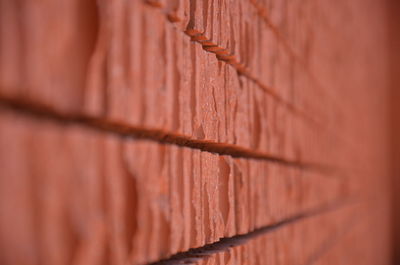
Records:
x=223, y=55
x=42, y=111
x=195, y=254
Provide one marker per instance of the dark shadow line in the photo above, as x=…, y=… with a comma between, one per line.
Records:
x=42, y=111
x=195, y=254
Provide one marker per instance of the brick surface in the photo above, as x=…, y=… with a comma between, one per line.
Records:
x=135, y=197
x=131, y=131
x=157, y=77
x=299, y=243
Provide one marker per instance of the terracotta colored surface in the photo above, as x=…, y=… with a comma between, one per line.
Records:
x=131, y=131
x=141, y=195
x=300, y=243
x=195, y=94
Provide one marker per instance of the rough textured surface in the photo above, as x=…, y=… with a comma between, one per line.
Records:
x=132, y=131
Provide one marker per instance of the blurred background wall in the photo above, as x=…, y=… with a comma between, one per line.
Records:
x=394, y=48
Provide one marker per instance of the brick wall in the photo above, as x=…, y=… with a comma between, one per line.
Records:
x=204, y=132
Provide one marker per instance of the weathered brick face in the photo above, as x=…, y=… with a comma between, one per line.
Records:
x=194, y=132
